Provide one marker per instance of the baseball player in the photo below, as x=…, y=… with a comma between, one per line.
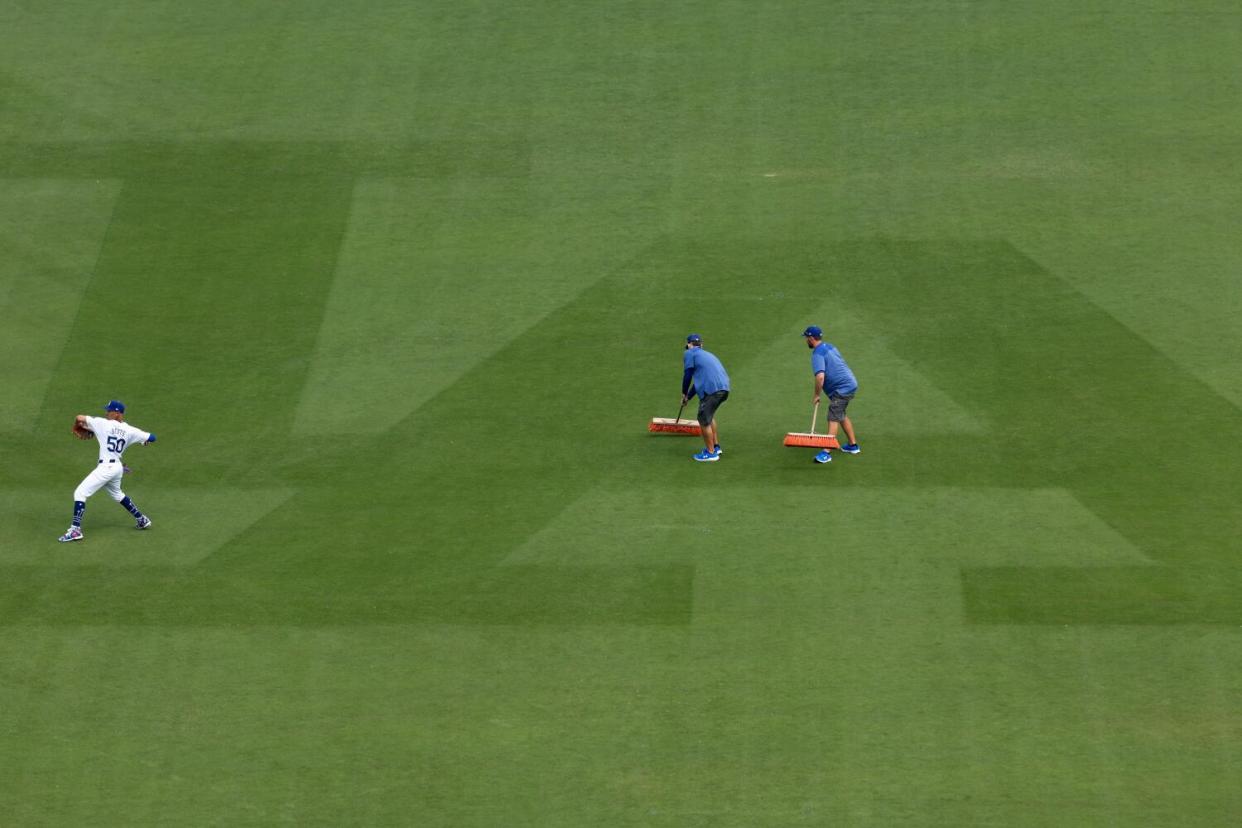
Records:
x=114, y=436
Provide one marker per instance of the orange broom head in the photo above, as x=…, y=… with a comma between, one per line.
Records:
x=667, y=425
x=805, y=439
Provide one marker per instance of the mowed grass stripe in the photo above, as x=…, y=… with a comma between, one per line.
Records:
x=464, y=156
x=434, y=275
x=52, y=231
x=1086, y=403
x=1103, y=595
x=204, y=304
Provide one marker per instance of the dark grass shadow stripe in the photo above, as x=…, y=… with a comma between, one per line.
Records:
x=513, y=596
x=1102, y=595
x=465, y=158
x=1087, y=401
x=249, y=272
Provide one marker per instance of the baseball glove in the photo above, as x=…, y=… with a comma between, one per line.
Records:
x=82, y=433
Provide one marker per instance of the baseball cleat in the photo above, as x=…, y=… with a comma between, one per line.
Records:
x=74, y=534
x=851, y=448
x=144, y=522
x=824, y=456
x=706, y=456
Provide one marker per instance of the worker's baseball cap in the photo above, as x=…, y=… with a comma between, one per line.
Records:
x=694, y=338
x=115, y=405
x=815, y=331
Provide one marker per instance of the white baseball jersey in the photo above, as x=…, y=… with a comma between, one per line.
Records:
x=114, y=437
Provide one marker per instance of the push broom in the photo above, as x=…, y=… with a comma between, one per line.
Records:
x=804, y=439
x=664, y=425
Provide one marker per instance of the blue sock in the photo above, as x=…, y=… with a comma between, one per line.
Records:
x=133, y=510
x=78, y=508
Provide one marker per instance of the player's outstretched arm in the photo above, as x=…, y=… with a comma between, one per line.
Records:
x=81, y=428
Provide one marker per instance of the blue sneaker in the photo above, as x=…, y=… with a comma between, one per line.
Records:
x=719, y=450
x=851, y=448
x=706, y=456
x=824, y=456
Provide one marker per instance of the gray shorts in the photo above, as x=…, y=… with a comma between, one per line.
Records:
x=708, y=406
x=837, y=403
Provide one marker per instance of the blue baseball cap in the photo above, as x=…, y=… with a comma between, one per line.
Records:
x=694, y=338
x=115, y=405
x=815, y=331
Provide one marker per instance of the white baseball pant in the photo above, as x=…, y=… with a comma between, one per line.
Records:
x=105, y=476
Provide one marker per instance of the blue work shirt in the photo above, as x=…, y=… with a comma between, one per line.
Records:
x=838, y=378
x=705, y=371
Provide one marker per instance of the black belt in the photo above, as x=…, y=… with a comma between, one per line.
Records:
x=110, y=461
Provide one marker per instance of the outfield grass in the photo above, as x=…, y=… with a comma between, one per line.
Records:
x=398, y=286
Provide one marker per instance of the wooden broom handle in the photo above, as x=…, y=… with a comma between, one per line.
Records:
x=814, y=417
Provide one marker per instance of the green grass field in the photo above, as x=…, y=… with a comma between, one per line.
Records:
x=399, y=284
